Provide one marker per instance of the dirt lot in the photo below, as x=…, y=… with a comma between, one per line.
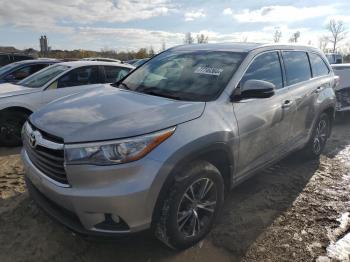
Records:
x=290, y=212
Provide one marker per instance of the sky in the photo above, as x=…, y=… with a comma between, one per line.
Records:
x=129, y=25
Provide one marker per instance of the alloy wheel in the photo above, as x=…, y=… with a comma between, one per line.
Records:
x=197, y=207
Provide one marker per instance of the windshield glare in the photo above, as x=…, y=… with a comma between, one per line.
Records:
x=195, y=75
x=44, y=76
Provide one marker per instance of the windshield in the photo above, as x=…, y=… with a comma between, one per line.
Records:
x=7, y=68
x=195, y=75
x=44, y=76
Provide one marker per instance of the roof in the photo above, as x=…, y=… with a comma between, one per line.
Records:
x=239, y=47
x=35, y=61
x=86, y=62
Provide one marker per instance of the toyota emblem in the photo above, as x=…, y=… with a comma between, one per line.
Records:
x=33, y=140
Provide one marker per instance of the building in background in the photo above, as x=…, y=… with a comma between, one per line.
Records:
x=44, y=48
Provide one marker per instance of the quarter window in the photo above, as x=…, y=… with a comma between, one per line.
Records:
x=297, y=67
x=81, y=76
x=114, y=74
x=265, y=67
x=319, y=67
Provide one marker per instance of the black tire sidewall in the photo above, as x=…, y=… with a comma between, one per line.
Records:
x=202, y=170
x=8, y=116
x=310, y=146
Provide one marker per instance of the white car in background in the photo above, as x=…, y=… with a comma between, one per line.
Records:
x=343, y=90
x=18, y=101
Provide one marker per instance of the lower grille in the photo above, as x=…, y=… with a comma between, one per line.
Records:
x=47, y=160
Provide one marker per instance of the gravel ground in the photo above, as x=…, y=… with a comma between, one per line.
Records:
x=289, y=212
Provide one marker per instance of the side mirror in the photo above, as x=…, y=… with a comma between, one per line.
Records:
x=257, y=89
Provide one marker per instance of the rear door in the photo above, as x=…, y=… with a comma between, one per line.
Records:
x=305, y=85
x=264, y=124
x=77, y=80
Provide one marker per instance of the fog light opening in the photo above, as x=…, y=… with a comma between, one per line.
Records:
x=112, y=222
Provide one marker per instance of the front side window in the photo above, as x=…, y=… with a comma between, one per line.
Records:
x=114, y=73
x=185, y=75
x=297, y=66
x=266, y=67
x=81, y=76
x=44, y=76
x=21, y=73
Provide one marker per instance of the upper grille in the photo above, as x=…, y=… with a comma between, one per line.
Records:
x=46, y=155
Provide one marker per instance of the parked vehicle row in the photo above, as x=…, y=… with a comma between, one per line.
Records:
x=159, y=148
x=12, y=73
x=19, y=100
x=343, y=90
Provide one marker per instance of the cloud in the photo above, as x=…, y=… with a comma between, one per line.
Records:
x=190, y=16
x=279, y=13
x=53, y=15
x=127, y=38
x=227, y=11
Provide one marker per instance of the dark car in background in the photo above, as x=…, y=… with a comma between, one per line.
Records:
x=6, y=58
x=12, y=73
x=343, y=90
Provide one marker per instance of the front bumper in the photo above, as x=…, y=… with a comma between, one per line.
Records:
x=95, y=194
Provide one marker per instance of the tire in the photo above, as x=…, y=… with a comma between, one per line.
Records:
x=319, y=136
x=182, y=222
x=11, y=123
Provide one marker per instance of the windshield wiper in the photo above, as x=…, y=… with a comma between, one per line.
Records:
x=120, y=85
x=161, y=93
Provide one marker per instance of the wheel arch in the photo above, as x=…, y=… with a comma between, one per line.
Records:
x=17, y=109
x=218, y=154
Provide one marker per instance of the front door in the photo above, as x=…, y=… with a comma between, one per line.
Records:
x=264, y=124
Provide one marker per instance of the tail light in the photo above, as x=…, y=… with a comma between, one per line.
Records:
x=336, y=82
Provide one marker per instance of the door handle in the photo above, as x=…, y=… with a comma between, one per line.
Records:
x=287, y=104
x=318, y=89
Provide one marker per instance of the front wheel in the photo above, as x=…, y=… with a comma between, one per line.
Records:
x=11, y=124
x=191, y=207
x=320, y=134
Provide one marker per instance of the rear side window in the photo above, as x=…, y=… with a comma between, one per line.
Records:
x=265, y=67
x=319, y=67
x=81, y=76
x=114, y=74
x=297, y=66
x=38, y=67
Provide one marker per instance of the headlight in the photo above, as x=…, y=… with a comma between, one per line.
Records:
x=115, y=152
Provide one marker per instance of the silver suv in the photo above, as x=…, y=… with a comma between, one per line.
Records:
x=160, y=149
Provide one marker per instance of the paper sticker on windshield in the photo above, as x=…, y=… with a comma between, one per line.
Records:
x=206, y=70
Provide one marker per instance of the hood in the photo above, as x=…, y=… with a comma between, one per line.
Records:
x=111, y=113
x=8, y=89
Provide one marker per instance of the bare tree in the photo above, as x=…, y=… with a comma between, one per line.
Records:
x=244, y=39
x=277, y=35
x=188, y=39
x=338, y=32
x=294, y=38
x=202, y=39
x=151, y=51
x=323, y=42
